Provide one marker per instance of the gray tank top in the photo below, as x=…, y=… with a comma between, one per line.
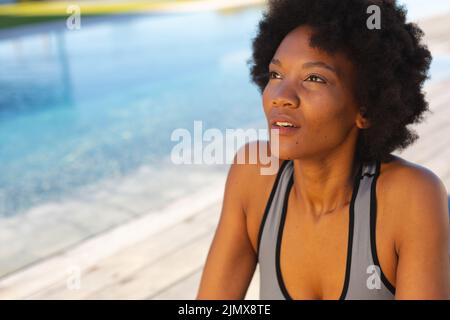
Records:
x=364, y=278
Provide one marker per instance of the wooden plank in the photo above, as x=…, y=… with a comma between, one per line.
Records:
x=46, y=274
x=436, y=32
x=185, y=289
x=188, y=288
x=433, y=146
x=169, y=269
x=122, y=266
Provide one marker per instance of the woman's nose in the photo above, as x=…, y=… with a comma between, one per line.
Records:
x=282, y=102
x=286, y=98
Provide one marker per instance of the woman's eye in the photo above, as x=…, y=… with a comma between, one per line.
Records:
x=312, y=78
x=315, y=78
x=272, y=74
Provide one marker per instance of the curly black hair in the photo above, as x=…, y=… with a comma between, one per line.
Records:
x=391, y=62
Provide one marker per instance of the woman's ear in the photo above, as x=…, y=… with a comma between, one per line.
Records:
x=362, y=122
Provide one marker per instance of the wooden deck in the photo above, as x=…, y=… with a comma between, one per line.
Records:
x=167, y=264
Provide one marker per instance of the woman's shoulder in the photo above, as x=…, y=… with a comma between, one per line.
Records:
x=414, y=212
x=255, y=170
x=401, y=175
x=254, y=160
x=412, y=193
x=251, y=184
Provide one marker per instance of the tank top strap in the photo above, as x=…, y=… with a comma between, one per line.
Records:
x=272, y=213
x=268, y=234
x=365, y=276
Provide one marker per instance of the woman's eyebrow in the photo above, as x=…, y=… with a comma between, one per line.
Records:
x=319, y=64
x=309, y=65
x=276, y=62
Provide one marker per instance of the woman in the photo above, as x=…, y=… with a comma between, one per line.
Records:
x=343, y=218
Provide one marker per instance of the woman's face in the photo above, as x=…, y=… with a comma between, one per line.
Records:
x=313, y=91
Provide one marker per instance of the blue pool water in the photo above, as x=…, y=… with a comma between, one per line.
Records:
x=79, y=106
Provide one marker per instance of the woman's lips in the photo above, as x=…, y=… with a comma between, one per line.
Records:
x=285, y=131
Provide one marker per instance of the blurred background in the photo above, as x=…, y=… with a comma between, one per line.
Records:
x=91, y=205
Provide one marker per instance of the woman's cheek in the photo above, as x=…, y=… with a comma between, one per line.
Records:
x=266, y=100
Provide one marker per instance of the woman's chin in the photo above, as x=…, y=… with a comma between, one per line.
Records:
x=288, y=153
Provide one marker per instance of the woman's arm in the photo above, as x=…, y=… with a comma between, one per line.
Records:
x=423, y=248
x=231, y=260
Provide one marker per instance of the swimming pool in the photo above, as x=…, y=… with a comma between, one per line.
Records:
x=80, y=106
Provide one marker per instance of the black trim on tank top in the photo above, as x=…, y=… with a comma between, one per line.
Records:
x=349, y=242
x=373, y=221
x=368, y=174
x=269, y=204
x=279, y=237
x=351, y=230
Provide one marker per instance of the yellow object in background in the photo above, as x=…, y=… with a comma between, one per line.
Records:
x=59, y=8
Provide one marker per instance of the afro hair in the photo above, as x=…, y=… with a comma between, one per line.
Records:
x=391, y=62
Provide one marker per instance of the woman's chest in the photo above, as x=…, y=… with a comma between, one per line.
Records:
x=314, y=250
